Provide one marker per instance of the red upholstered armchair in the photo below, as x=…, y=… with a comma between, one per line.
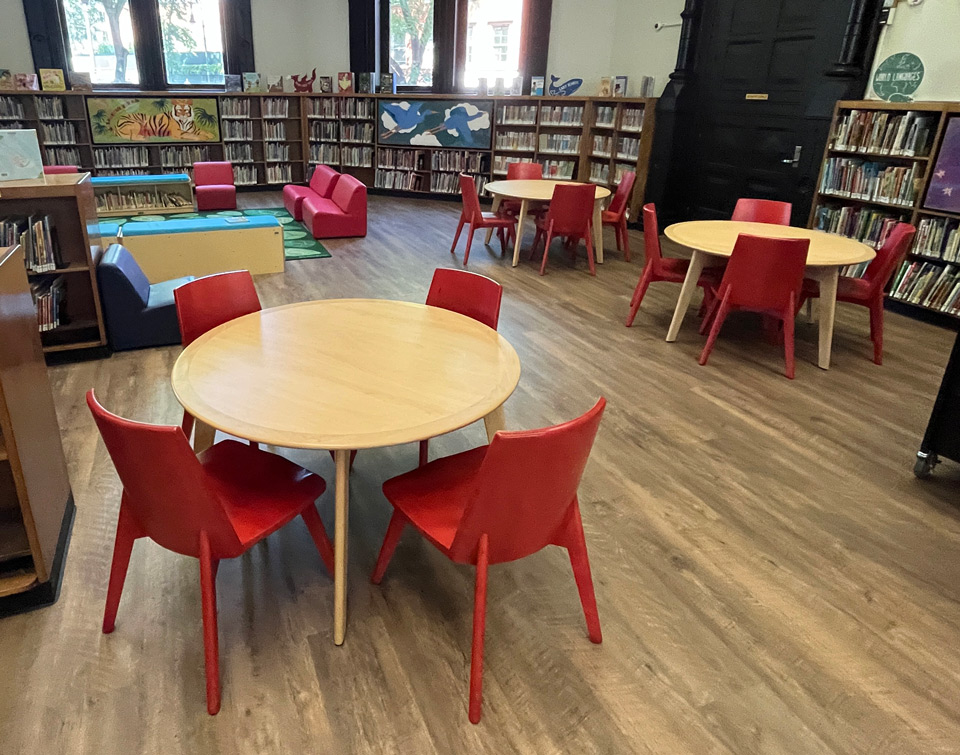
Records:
x=344, y=214
x=214, y=186
x=322, y=183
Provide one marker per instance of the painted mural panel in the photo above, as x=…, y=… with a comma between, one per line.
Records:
x=436, y=123
x=117, y=120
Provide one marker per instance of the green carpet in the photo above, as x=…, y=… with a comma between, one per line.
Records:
x=298, y=244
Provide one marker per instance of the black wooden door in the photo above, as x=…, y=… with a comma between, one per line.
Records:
x=764, y=100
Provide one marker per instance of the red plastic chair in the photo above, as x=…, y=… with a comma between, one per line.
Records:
x=762, y=211
x=53, y=170
x=616, y=213
x=470, y=294
x=657, y=268
x=868, y=290
x=214, y=186
x=763, y=275
x=213, y=507
x=570, y=215
x=500, y=503
x=517, y=171
x=473, y=216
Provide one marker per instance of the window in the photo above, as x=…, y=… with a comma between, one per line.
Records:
x=494, y=47
x=100, y=37
x=470, y=43
x=192, y=41
x=411, y=41
x=501, y=42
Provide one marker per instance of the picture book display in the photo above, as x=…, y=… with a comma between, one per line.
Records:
x=6, y=79
x=20, y=155
x=274, y=83
x=944, y=191
x=151, y=119
x=27, y=82
x=536, y=86
x=51, y=79
x=80, y=81
x=436, y=123
x=345, y=82
x=620, y=86
x=325, y=84
x=251, y=82
x=606, y=87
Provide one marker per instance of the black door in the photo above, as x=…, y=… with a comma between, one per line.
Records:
x=764, y=98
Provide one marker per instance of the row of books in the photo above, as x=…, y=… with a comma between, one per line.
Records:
x=124, y=172
x=866, y=224
x=929, y=285
x=355, y=107
x=273, y=130
x=237, y=130
x=603, y=146
x=235, y=107
x=402, y=159
x=59, y=133
x=558, y=168
x=449, y=183
x=516, y=140
x=63, y=156
x=629, y=148
x=606, y=115
x=356, y=157
x=279, y=173
x=276, y=151
x=457, y=161
x=120, y=157
x=276, y=107
x=325, y=154
x=244, y=175
x=37, y=237
x=938, y=237
x=519, y=115
x=324, y=107
x=357, y=132
x=142, y=199
x=49, y=107
x=872, y=181
x=325, y=131
x=632, y=119
x=884, y=132
x=48, y=299
x=404, y=180
x=238, y=152
x=566, y=115
x=600, y=173
x=500, y=162
x=565, y=143
x=11, y=107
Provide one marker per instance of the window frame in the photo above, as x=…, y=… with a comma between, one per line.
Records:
x=504, y=46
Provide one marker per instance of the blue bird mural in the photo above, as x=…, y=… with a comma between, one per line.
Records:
x=458, y=122
x=404, y=119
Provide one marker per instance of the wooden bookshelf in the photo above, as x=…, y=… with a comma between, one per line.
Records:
x=36, y=505
x=68, y=200
x=865, y=212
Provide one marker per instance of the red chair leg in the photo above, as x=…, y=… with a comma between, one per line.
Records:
x=319, y=534
x=397, y=522
x=546, y=250
x=211, y=647
x=590, y=261
x=536, y=242
x=456, y=237
x=717, y=324
x=645, y=277
x=788, y=322
x=424, y=452
x=576, y=546
x=708, y=315
x=479, y=625
x=469, y=243
x=501, y=234
x=625, y=236
x=616, y=236
x=876, y=329
x=127, y=533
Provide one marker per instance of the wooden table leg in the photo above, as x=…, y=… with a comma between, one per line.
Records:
x=494, y=422
x=826, y=309
x=686, y=293
x=520, y=218
x=342, y=495
x=598, y=230
x=496, y=206
x=203, y=435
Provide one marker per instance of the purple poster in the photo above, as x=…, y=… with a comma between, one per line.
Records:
x=944, y=191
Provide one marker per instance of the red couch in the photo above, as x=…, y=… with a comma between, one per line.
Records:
x=343, y=214
x=322, y=183
x=214, y=186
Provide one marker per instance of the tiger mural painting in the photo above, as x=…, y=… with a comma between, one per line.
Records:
x=176, y=120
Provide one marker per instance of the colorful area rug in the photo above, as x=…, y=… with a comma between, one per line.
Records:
x=298, y=244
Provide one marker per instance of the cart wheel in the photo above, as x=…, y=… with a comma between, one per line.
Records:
x=925, y=464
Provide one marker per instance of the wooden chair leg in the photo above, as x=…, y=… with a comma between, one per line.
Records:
x=127, y=533
x=789, y=316
x=876, y=330
x=576, y=546
x=211, y=643
x=424, y=452
x=397, y=522
x=717, y=324
x=638, y=293
x=456, y=237
x=470, y=232
x=479, y=626
x=319, y=534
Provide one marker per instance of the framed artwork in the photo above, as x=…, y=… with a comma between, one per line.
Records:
x=944, y=190
x=436, y=123
x=116, y=120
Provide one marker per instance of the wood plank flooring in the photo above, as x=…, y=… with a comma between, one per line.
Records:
x=771, y=577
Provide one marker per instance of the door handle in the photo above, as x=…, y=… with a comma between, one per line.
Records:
x=795, y=160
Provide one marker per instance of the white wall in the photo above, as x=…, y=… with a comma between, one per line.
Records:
x=14, y=42
x=294, y=36
x=929, y=30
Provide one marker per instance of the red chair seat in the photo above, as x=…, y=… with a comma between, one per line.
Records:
x=257, y=488
x=852, y=290
x=293, y=197
x=610, y=217
x=216, y=197
x=495, y=220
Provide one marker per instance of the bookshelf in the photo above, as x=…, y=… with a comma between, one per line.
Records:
x=65, y=203
x=876, y=170
x=36, y=505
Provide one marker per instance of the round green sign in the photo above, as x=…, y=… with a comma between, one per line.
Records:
x=898, y=77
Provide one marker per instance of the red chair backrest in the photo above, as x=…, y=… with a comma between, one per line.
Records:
x=471, y=202
x=517, y=171
x=618, y=205
x=210, y=301
x=889, y=256
x=165, y=485
x=52, y=170
x=762, y=211
x=350, y=195
x=470, y=294
x=213, y=174
x=571, y=208
x=323, y=180
x=651, y=237
x=763, y=272
x=525, y=487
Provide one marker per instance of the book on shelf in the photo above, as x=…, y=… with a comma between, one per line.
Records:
x=866, y=224
x=567, y=115
x=928, y=284
x=345, y=82
x=885, y=132
x=516, y=140
x=11, y=107
x=606, y=86
x=80, y=81
x=325, y=154
x=356, y=157
x=233, y=82
x=560, y=143
x=536, y=86
x=252, y=82
x=632, y=119
x=449, y=183
x=244, y=175
x=276, y=107
x=387, y=83
x=856, y=178
x=457, y=161
x=517, y=115
x=939, y=238
x=145, y=199
x=325, y=84
x=185, y=157
x=628, y=148
x=500, y=162
x=620, y=86
x=48, y=299
x=50, y=108
x=37, y=236
x=6, y=79
x=558, y=168
x=235, y=107
x=647, y=85
x=276, y=130
x=274, y=83
x=402, y=180
x=120, y=157
x=63, y=132
x=357, y=133
x=26, y=82
x=51, y=79
x=63, y=156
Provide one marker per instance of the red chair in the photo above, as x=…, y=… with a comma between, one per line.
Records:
x=616, y=213
x=322, y=183
x=762, y=211
x=657, y=268
x=343, y=215
x=215, y=187
x=868, y=290
x=517, y=171
x=570, y=215
x=469, y=294
x=475, y=218
x=763, y=275
x=211, y=507
x=53, y=170
x=500, y=503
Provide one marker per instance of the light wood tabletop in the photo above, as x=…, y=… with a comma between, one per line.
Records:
x=828, y=252
x=541, y=190
x=345, y=374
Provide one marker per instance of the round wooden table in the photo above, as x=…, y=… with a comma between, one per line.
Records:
x=345, y=374
x=541, y=190
x=827, y=254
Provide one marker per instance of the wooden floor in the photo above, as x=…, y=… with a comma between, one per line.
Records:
x=771, y=577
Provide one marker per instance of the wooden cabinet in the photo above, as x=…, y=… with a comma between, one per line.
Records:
x=36, y=505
